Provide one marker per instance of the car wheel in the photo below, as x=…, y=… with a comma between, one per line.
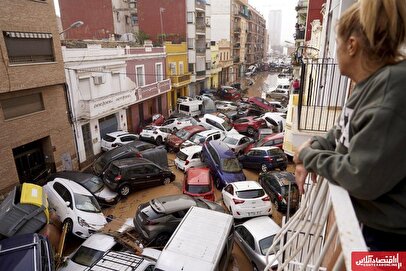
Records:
x=69, y=225
x=250, y=131
x=264, y=168
x=167, y=180
x=162, y=239
x=159, y=140
x=124, y=190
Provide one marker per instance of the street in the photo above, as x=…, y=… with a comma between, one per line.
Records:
x=127, y=207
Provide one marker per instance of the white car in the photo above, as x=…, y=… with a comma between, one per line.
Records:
x=255, y=236
x=237, y=142
x=246, y=199
x=189, y=157
x=226, y=106
x=279, y=107
x=176, y=124
x=201, y=137
x=183, y=99
x=275, y=119
x=116, y=139
x=156, y=134
x=76, y=207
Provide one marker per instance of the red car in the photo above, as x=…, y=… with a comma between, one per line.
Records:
x=229, y=93
x=157, y=120
x=174, y=141
x=249, y=125
x=198, y=182
x=270, y=140
x=262, y=103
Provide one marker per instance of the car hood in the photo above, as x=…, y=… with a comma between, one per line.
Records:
x=96, y=220
x=106, y=194
x=174, y=140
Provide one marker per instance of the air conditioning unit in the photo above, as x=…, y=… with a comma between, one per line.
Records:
x=99, y=79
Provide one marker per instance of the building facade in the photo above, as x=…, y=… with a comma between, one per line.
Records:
x=215, y=65
x=103, y=19
x=99, y=93
x=226, y=75
x=256, y=38
x=34, y=117
x=146, y=68
x=177, y=71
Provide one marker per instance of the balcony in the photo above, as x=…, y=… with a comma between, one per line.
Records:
x=180, y=80
x=321, y=235
x=200, y=25
x=237, y=45
x=200, y=5
x=236, y=60
x=200, y=50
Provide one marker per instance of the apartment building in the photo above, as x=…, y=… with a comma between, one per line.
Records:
x=256, y=38
x=35, y=133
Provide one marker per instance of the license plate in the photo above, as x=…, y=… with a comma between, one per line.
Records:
x=279, y=159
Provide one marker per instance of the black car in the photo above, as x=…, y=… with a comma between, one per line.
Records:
x=137, y=148
x=281, y=188
x=129, y=174
x=91, y=182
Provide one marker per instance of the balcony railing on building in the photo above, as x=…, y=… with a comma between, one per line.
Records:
x=200, y=73
x=200, y=50
x=322, y=94
x=321, y=235
x=180, y=80
x=200, y=25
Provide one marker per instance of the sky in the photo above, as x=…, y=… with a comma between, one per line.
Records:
x=264, y=6
x=288, y=14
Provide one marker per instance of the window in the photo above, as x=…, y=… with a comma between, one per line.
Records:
x=172, y=68
x=159, y=72
x=140, y=75
x=181, y=69
x=127, y=19
x=191, y=68
x=190, y=17
x=23, y=105
x=134, y=19
x=24, y=47
x=190, y=43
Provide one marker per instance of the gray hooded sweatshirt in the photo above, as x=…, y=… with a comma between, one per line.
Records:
x=365, y=153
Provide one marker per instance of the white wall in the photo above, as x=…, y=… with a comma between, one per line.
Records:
x=220, y=20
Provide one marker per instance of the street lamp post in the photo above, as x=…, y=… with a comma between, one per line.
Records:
x=162, y=24
x=73, y=25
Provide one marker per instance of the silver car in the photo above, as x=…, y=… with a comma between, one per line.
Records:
x=254, y=237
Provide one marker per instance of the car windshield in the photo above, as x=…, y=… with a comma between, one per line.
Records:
x=181, y=155
x=230, y=140
x=230, y=165
x=227, y=126
x=94, y=184
x=86, y=203
x=265, y=244
x=109, y=138
x=196, y=138
x=87, y=256
x=250, y=194
x=198, y=189
x=183, y=134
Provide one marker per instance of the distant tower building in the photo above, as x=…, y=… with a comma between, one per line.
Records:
x=275, y=26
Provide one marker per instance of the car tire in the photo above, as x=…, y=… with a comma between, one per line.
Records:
x=166, y=181
x=124, y=190
x=159, y=140
x=162, y=239
x=250, y=131
x=69, y=225
x=264, y=168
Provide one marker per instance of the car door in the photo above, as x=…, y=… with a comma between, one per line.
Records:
x=249, y=158
x=60, y=197
x=246, y=240
x=135, y=176
x=153, y=175
x=228, y=193
x=127, y=139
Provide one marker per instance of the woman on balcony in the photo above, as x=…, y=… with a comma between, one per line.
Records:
x=365, y=152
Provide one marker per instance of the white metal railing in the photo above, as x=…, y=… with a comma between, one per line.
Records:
x=321, y=235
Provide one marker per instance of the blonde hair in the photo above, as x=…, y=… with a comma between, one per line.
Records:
x=380, y=25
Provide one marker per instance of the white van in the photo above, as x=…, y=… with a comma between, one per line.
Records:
x=210, y=121
x=203, y=241
x=191, y=108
